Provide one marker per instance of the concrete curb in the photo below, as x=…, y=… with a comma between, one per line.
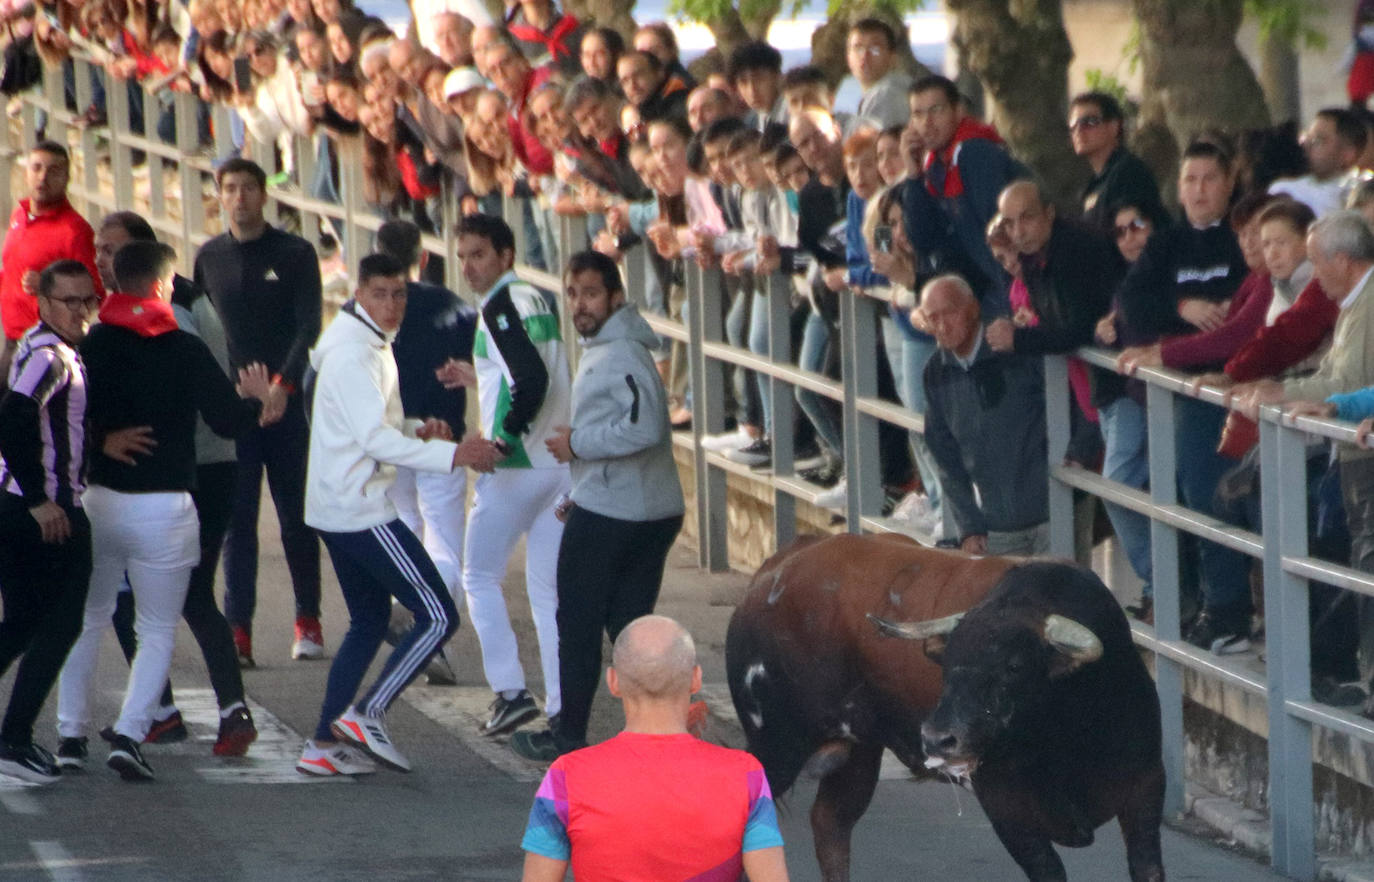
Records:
x=1249, y=829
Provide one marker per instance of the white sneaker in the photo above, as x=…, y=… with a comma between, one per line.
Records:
x=932, y=523
x=369, y=734
x=912, y=508
x=835, y=497
x=333, y=759
x=726, y=441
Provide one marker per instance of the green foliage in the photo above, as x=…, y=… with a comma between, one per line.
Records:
x=1289, y=21
x=752, y=10
x=849, y=8
x=1101, y=81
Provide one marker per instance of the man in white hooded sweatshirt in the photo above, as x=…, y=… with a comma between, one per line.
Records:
x=358, y=436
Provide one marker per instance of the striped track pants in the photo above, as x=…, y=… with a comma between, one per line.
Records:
x=374, y=566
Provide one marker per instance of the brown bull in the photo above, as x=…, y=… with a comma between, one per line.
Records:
x=817, y=688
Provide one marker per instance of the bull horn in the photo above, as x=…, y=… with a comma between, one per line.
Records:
x=916, y=630
x=1075, y=640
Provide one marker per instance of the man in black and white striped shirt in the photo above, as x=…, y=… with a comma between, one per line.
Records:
x=45, y=538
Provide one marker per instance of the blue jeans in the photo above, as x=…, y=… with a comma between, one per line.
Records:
x=758, y=344
x=820, y=410
x=1225, y=572
x=374, y=566
x=748, y=410
x=1126, y=461
x=909, y=360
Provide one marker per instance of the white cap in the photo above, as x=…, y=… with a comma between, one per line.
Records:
x=462, y=79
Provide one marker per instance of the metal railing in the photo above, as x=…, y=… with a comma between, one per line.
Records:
x=1282, y=546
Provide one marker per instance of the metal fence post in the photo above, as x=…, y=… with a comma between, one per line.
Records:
x=1283, y=469
x=708, y=416
x=121, y=156
x=351, y=195
x=152, y=164
x=1160, y=422
x=859, y=372
x=1057, y=428
x=782, y=404
x=192, y=190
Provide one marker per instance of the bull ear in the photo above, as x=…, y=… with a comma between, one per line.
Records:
x=916, y=630
x=1075, y=641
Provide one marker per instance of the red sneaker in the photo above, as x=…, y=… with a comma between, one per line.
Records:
x=309, y=639
x=243, y=646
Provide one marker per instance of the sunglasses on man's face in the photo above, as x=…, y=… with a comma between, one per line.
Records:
x=1085, y=122
x=1124, y=230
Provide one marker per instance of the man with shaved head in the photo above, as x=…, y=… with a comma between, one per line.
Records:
x=985, y=426
x=1069, y=273
x=452, y=40
x=654, y=802
x=705, y=105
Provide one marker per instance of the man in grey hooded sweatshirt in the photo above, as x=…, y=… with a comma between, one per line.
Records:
x=626, y=506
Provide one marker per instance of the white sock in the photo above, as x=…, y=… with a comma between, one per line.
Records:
x=164, y=713
x=224, y=712
x=511, y=694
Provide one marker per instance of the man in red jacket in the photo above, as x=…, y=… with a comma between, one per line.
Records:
x=44, y=228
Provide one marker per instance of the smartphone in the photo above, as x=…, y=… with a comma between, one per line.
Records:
x=243, y=75
x=882, y=238
x=309, y=82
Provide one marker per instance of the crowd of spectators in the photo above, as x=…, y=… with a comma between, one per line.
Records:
x=967, y=268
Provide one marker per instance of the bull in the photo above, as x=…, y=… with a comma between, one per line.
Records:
x=1048, y=709
x=820, y=691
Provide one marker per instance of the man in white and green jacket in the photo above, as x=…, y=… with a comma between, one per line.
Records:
x=523, y=389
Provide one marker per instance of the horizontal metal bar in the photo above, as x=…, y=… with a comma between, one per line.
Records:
x=875, y=524
x=666, y=327
x=1332, y=718
x=741, y=357
x=1176, y=516
x=1199, y=660
x=891, y=413
x=1330, y=573
x=540, y=279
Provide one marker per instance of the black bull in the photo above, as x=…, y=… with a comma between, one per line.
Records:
x=820, y=690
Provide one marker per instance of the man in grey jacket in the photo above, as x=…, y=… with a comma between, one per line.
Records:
x=626, y=505
x=985, y=426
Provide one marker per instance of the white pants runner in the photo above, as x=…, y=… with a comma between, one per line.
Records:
x=510, y=502
x=154, y=538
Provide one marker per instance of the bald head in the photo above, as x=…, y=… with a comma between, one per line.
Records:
x=952, y=310
x=1027, y=217
x=706, y=105
x=654, y=657
x=483, y=38
x=817, y=138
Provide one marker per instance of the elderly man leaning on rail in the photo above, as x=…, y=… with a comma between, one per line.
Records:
x=985, y=425
x=1341, y=248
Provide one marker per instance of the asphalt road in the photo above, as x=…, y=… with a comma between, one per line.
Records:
x=461, y=812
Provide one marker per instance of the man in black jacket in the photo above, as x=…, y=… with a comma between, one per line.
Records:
x=1097, y=129
x=265, y=283
x=145, y=371
x=437, y=327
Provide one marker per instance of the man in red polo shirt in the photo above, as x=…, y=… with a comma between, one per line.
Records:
x=44, y=228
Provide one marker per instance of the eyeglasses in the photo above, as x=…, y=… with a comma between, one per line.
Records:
x=1085, y=122
x=76, y=303
x=1124, y=230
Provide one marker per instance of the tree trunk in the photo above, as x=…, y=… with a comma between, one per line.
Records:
x=617, y=14
x=828, y=42
x=1021, y=54
x=1194, y=76
x=1279, y=78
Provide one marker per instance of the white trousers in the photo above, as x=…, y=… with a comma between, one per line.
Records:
x=510, y=502
x=434, y=507
x=154, y=538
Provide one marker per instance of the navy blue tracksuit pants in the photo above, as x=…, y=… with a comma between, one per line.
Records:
x=374, y=566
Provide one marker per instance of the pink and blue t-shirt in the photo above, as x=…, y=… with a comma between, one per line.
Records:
x=653, y=808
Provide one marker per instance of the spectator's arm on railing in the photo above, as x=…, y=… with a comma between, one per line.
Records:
x=956, y=485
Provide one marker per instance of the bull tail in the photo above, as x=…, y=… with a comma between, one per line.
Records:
x=775, y=732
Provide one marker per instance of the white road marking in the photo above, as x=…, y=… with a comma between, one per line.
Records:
x=461, y=710
x=270, y=760
x=56, y=861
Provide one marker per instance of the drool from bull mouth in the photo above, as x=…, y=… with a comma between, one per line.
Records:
x=959, y=768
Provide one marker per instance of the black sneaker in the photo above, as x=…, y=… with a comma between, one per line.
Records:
x=758, y=453
x=1214, y=634
x=509, y=714
x=826, y=474
x=169, y=731
x=127, y=759
x=28, y=763
x=72, y=753
x=1143, y=611
x=541, y=746
x=236, y=733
